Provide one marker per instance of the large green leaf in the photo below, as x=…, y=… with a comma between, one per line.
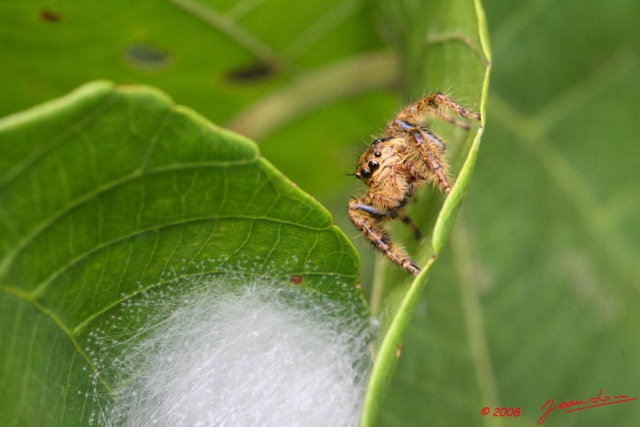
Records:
x=537, y=297
x=112, y=191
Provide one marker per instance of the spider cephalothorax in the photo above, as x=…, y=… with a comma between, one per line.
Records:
x=409, y=156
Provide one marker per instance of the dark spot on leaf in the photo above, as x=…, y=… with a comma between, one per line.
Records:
x=295, y=279
x=146, y=57
x=48, y=15
x=251, y=73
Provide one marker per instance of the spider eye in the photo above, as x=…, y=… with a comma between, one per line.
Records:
x=377, y=154
x=366, y=173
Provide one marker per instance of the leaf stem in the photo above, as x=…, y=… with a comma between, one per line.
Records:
x=227, y=26
x=315, y=89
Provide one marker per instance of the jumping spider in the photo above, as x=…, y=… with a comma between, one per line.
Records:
x=394, y=166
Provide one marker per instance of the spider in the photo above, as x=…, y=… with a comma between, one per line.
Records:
x=394, y=166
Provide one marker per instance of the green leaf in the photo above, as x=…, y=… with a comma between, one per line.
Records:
x=536, y=297
x=112, y=191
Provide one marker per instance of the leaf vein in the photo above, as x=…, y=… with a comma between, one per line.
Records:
x=64, y=136
x=42, y=286
x=53, y=219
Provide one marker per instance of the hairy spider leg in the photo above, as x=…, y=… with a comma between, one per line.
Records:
x=415, y=113
x=432, y=105
x=420, y=134
x=375, y=213
x=390, y=214
x=365, y=219
x=439, y=169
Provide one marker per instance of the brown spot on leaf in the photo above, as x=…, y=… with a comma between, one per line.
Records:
x=251, y=73
x=295, y=279
x=48, y=15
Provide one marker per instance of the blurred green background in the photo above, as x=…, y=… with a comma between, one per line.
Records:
x=537, y=293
